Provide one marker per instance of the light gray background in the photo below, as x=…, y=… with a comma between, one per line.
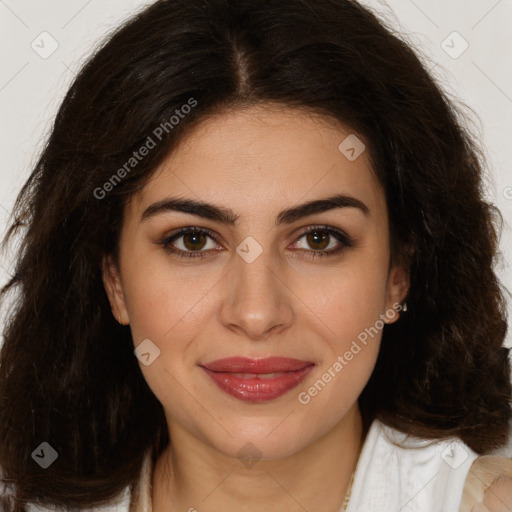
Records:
x=32, y=87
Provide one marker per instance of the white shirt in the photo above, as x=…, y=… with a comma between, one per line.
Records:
x=429, y=478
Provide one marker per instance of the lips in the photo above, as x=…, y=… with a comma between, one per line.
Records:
x=256, y=366
x=257, y=380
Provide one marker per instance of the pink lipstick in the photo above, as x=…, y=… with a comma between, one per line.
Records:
x=257, y=380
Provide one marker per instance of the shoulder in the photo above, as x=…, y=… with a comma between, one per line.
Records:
x=489, y=484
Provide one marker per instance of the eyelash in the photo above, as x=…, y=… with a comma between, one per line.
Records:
x=337, y=234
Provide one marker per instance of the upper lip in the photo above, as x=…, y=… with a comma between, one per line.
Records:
x=266, y=365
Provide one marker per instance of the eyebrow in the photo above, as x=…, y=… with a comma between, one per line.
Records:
x=228, y=216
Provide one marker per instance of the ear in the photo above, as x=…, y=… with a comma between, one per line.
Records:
x=113, y=286
x=398, y=287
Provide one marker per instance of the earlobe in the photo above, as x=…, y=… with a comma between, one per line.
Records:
x=398, y=288
x=114, y=290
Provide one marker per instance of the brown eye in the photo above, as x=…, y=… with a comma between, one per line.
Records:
x=189, y=242
x=318, y=240
x=194, y=241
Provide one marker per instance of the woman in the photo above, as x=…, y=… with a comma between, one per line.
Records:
x=257, y=274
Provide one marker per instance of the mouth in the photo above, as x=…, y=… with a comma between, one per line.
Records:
x=257, y=380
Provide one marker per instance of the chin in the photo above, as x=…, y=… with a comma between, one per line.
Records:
x=261, y=440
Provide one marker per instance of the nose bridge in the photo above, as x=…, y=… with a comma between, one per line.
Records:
x=257, y=300
x=255, y=278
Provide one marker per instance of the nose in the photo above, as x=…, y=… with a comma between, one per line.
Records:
x=257, y=300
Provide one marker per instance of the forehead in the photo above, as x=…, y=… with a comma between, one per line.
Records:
x=264, y=158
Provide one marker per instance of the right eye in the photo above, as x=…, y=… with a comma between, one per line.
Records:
x=193, y=241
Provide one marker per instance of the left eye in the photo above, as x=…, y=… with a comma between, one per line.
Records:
x=319, y=238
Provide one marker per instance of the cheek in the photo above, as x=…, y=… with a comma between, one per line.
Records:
x=348, y=355
x=161, y=300
x=350, y=318
x=164, y=308
x=351, y=300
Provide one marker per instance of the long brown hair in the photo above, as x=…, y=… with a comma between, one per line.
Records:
x=68, y=375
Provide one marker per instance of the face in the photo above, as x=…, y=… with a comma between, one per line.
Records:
x=242, y=278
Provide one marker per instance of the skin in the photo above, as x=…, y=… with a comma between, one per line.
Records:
x=493, y=475
x=498, y=497
x=257, y=162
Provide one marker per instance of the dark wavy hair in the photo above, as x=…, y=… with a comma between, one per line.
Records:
x=68, y=375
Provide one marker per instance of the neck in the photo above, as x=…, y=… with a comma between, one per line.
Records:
x=191, y=475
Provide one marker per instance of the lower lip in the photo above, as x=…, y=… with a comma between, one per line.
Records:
x=255, y=389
